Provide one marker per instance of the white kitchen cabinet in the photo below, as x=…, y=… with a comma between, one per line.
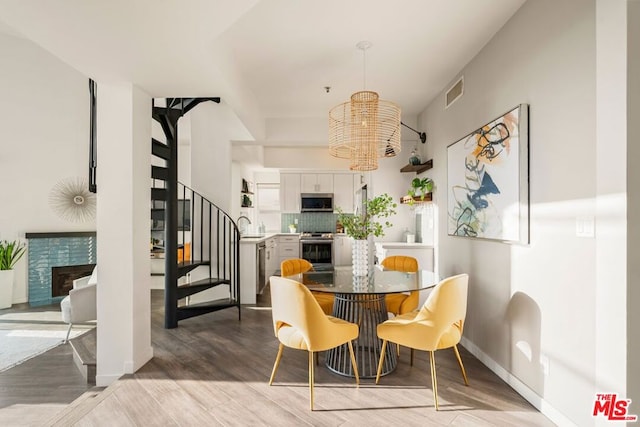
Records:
x=288, y=247
x=343, y=192
x=342, y=249
x=290, y=192
x=423, y=253
x=272, y=257
x=316, y=183
x=248, y=272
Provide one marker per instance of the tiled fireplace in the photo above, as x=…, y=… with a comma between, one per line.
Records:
x=49, y=254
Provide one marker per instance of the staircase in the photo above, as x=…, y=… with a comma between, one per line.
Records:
x=199, y=239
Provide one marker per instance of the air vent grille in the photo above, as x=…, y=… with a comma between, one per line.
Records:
x=454, y=92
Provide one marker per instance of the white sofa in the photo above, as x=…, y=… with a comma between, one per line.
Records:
x=80, y=304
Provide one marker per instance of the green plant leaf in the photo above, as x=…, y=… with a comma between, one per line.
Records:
x=362, y=226
x=10, y=253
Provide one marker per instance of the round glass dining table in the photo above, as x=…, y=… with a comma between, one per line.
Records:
x=361, y=300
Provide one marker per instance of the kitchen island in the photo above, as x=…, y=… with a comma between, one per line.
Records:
x=260, y=259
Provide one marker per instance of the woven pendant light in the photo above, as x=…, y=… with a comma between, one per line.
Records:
x=364, y=128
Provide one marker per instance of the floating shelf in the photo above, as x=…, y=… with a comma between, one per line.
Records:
x=418, y=168
x=408, y=200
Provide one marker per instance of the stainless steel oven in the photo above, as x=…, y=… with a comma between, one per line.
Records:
x=317, y=248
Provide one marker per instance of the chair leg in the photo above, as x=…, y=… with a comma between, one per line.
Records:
x=411, y=357
x=434, y=381
x=275, y=365
x=66, y=339
x=464, y=374
x=398, y=349
x=381, y=362
x=354, y=364
x=311, y=379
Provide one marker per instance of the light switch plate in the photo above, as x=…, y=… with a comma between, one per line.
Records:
x=585, y=226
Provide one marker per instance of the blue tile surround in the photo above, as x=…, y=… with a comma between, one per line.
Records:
x=47, y=250
x=309, y=222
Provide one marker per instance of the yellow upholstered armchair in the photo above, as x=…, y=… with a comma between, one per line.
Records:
x=300, y=323
x=292, y=266
x=437, y=325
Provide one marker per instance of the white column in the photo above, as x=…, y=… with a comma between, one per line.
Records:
x=123, y=180
x=611, y=203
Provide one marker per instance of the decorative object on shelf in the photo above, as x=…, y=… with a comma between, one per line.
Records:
x=488, y=180
x=72, y=201
x=361, y=226
x=246, y=201
x=246, y=187
x=414, y=159
x=419, y=168
x=10, y=254
x=419, y=191
x=364, y=128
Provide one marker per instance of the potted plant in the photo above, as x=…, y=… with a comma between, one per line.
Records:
x=364, y=224
x=10, y=254
x=420, y=187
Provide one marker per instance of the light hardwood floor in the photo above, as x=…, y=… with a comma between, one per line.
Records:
x=214, y=370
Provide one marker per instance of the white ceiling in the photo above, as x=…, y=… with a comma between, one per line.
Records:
x=269, y=60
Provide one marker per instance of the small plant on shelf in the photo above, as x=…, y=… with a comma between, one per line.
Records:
x=420, y=188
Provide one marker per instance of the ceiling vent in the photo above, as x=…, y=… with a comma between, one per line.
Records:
x=454, y=92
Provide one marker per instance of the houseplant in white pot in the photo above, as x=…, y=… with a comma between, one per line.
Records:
x=361, y=225
x=10, y=254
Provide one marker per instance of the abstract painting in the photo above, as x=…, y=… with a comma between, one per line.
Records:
x=488, y=180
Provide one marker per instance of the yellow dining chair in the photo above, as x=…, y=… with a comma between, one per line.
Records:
x=292, y=266
x=300, y=323
x=437, y=325
x=401, y=303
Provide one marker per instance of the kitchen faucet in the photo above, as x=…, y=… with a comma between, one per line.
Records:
x=243, y=229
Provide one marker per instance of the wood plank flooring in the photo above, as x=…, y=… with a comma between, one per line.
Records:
x=213, y=371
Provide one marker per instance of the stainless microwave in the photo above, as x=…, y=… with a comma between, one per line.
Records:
x=316, y=202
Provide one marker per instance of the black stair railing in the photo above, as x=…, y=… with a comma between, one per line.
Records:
x=197, y=233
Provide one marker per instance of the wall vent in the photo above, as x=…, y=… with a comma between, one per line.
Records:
x=454, y=92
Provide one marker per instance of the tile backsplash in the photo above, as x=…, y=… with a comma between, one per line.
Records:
x=310, y=221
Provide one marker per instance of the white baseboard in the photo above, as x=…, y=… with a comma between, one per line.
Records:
x=106, y=380
x=521, y=388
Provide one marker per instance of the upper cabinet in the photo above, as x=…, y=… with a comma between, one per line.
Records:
x=290, y=192
x=343, y=191
x=342, y=185
x=316, y=183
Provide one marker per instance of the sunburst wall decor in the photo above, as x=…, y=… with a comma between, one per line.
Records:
x=72, y=201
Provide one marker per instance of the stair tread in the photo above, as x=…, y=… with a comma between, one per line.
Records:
x=213, y=303
x=85, y=347
x=204, y=282
x=193, y=262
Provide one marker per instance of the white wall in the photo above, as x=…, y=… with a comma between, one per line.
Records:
x=633, y=204
x=531, y=313
x=45, y=124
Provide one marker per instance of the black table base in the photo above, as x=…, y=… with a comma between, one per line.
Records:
x=367, y=311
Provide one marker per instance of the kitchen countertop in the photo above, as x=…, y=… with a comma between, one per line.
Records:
x=257, y=238
x=403, y=245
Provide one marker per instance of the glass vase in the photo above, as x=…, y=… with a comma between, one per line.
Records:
x=360, y=257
